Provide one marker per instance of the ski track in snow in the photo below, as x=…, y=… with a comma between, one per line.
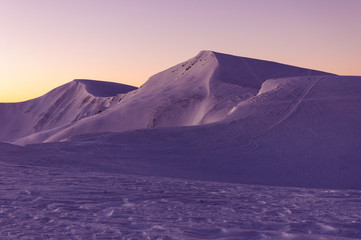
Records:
x=63, y=203
x=293, y=107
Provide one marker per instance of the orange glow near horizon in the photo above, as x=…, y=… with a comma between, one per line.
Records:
x=45, y=44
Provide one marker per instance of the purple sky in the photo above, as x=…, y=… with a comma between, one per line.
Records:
x=46, y=43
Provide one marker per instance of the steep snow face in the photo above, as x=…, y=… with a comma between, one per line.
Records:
x=64, y=105
x=201, y=90
x=176, y=96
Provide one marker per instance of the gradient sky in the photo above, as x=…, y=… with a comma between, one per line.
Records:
x=46, y=43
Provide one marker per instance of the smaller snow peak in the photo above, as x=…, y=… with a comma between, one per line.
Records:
x=104, y=89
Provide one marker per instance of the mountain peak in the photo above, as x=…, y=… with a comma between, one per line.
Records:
x=206, y=52
x=200, y=90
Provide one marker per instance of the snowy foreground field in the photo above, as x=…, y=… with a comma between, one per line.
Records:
x=59, y=203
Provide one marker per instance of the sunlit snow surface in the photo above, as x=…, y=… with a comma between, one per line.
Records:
x=62, y=203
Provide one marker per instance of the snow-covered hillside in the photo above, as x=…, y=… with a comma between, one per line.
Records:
x=214, y=117
x=198, y=91
x=60, y=107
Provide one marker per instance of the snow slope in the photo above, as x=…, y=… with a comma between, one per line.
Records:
x=62, y=106
x=198, y=91
x=217, y=117
x=300, y=132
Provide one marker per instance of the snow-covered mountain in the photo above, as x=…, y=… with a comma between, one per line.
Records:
x=60, y=107
x=214, y=117
x=198, y=91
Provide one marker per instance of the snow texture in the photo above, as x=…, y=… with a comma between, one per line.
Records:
x=51, y=203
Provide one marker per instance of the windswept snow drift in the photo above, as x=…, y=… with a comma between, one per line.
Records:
x=214, y=117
